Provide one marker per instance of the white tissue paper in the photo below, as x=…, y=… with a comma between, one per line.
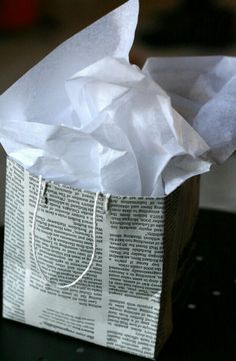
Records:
x=86, y=117
x=203, y=90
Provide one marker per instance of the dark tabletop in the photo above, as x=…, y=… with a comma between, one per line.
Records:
x=204, y=326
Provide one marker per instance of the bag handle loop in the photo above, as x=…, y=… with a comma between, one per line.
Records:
x=42, y=185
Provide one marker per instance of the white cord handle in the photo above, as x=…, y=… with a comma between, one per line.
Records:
x=43, y=184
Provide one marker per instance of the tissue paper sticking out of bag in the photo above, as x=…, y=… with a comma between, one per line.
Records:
x=203, y=90
x=124, y=109
x=86, y=117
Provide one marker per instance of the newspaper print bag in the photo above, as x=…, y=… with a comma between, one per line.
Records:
x=96, y=267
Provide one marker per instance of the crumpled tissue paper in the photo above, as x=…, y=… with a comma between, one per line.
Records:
x=84, y=116
x=203, y=90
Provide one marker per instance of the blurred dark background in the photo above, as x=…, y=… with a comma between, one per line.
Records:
x=29, y=29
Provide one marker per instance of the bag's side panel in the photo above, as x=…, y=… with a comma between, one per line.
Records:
x=14, y=253
x=181, y=209
x=171, y=247
x=187, y=215
x=188, y=211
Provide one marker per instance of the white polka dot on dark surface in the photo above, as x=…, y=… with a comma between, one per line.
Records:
x=216, y=293
x=191, y=306
x=199, y=258
x=80, y=349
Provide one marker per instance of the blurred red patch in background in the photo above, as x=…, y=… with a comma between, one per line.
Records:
x=17, y=14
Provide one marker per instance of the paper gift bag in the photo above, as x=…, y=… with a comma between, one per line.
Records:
x=97, y=267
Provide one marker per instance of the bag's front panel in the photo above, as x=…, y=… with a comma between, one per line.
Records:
x=116, y=303
x=135, y=249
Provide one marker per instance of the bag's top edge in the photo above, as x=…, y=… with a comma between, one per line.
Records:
x=62, y=185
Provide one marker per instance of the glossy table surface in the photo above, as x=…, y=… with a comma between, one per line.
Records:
x=205, y=326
